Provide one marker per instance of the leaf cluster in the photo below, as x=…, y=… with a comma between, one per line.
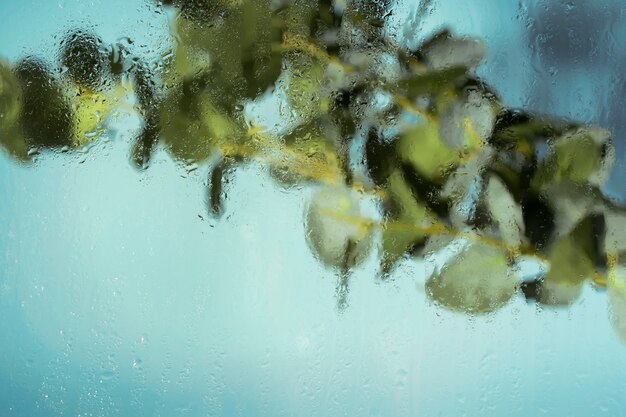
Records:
x=367, y=121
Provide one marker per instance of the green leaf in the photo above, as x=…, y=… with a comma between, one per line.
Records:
x=83, y=56
x=505, y=211
x=571, y=202
x=445, y=51
x=10, y=95
x=559, y=293
x=477, y=281
x=514, y=126
x=301, y=17
x=261, y=33
x=422, y=147
x=571, y=263
x=440, y=242
x=13, y=141
x=403, y=199
x=337, y=231
x=193, y=128
x=584, y=155
x=199, y=11
x=144, y=86
x=11, y=136
x=399, y=236
x=345, y=111
x=306, y=86
x=539, y=220
x=220, y=175
x=431, y=83
x=327, y=17
x=310, y=152
x=380, y=156
x=366, y=19
x=239, y=41
x=396, y=242
x=46, y=118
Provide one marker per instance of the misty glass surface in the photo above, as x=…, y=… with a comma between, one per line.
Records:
x=120, y=296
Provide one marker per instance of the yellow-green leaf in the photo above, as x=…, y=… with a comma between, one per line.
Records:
x=476, y=281
x=571, y=263
x=584, y=155
x=193, y=128
x=11, y=135
x=305, y=86
x=91, y=109
x=46, y=117
x=422, y=147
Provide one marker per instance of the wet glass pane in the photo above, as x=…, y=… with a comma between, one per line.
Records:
x=300, y=208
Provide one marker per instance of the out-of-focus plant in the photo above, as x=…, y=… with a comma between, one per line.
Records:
x=415, y=131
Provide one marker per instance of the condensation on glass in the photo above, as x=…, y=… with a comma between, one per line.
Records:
x=312, y=208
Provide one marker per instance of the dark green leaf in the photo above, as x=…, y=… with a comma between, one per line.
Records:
x=220, y=175
x=144, y=144
x=559, y=293
x=539, y=220
x=240, y=39
x=199, y=11
x=47, y=119
x=513, y=126
x=83, y=56
x=380, y=156
x=145, y=89
x=432, y=83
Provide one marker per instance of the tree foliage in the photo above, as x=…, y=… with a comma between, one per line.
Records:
x=436, y=149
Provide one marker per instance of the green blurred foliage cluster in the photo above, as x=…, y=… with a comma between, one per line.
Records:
x=414, y=132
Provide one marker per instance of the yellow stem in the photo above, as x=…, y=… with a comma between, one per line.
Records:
x=411, y=107
x=324, y=168
x=293, y=42
x=437, y=229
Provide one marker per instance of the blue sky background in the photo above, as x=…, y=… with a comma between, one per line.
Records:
x=118, y=297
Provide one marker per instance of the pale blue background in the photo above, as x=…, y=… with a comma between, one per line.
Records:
x=119, y=297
